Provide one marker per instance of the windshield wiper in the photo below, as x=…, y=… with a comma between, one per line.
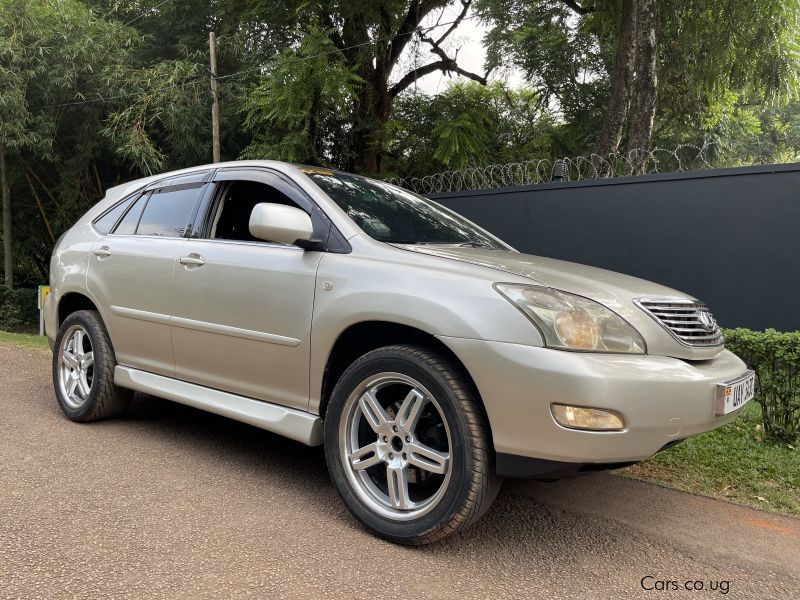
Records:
x=474, y=245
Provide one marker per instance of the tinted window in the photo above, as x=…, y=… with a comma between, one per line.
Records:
x=167, y=213
x=232, y=221
x=392, y=214
x=128, y=224
x=106, y=222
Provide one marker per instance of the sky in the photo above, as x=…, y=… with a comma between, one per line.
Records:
x=467, y=39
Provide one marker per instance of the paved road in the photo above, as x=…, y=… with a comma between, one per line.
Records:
x=171, y=502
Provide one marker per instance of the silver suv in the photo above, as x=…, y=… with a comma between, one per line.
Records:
x=429, y=357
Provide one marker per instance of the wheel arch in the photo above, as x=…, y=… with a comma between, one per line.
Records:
x=75, y=300
x=72, y=302
x=362, y=337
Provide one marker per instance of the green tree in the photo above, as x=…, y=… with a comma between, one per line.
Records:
x=295, y=111
x=47, y=50
x=651, y=68
x=82, y=106
x=370, y=37
x=468, y=124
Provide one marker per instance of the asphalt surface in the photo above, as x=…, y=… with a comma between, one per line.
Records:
x=170, y=502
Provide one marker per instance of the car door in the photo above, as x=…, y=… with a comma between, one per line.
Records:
x=131, y=269
x=242, y=313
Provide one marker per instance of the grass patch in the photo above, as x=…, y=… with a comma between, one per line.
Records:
x=24, y=339
x=732, y=463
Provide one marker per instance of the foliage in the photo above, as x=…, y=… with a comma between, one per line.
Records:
x=306, y=85
x=713, y=59
x=775, y=357
x=47, y=50
x=168, y=119
x=715, y=55
x=17, y=308
x=468, y=124
x=363, y=41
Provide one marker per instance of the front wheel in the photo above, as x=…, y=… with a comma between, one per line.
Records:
x=407, y=445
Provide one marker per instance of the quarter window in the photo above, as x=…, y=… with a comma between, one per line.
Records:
x=168, y=211
x=106, y=222
x=131, y=219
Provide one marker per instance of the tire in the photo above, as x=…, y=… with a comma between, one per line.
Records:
x=430, y=473
x=83, y=370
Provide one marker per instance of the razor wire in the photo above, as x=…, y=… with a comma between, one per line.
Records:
x=710, y=154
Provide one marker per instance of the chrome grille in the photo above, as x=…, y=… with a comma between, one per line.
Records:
x=690, y=322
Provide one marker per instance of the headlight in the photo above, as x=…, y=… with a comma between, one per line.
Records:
x=573, y=322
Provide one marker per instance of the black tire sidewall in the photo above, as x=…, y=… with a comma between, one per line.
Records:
x=390, y=360
x=98, y=337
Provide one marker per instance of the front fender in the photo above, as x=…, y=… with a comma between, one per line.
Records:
x=435, y=298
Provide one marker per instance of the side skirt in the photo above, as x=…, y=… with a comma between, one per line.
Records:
x=288, y=422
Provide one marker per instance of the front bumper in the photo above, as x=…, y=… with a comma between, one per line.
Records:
x=661, y=399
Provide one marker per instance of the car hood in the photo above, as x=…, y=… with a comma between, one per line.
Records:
x=604, y=286
x=614, y=290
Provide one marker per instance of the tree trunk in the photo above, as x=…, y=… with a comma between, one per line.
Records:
x=643, y=106
x=374, y=108
x=621, y=79
x=7, y=246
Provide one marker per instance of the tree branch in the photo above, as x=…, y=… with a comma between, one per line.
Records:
x=417, y=11
x=415, y=74
x=465, y=4
x=445, y=64
x=577, y=7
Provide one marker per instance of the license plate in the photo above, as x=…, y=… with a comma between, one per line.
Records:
x=732, y=395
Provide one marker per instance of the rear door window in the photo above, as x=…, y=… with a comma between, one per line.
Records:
x=169, y=210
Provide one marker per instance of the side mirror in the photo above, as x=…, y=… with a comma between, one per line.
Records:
x=281, y=223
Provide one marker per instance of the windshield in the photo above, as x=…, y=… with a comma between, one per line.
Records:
x=397, y=216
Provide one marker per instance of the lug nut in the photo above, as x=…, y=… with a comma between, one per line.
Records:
x=385, y=439
x=405, y=456
x=408, y=438
x=394, y=428
x=391, y=456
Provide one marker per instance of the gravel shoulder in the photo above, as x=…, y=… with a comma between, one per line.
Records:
x=170, y=502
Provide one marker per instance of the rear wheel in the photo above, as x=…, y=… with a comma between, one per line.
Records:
x=83, y=369
x=407, y=445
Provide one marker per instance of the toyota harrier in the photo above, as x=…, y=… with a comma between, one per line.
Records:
x=429, y=358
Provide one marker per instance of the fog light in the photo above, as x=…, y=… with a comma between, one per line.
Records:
x=593, y=419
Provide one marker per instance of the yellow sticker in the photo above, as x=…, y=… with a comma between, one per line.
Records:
x=43, y=291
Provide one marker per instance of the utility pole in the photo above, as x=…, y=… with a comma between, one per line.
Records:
x=212, y=45
x=7, y=247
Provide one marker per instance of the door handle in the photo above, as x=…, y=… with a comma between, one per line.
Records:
x=102, y=251
x=193, y=260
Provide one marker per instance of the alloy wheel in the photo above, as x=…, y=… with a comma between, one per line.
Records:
x=76, y=366
x=395, y=446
